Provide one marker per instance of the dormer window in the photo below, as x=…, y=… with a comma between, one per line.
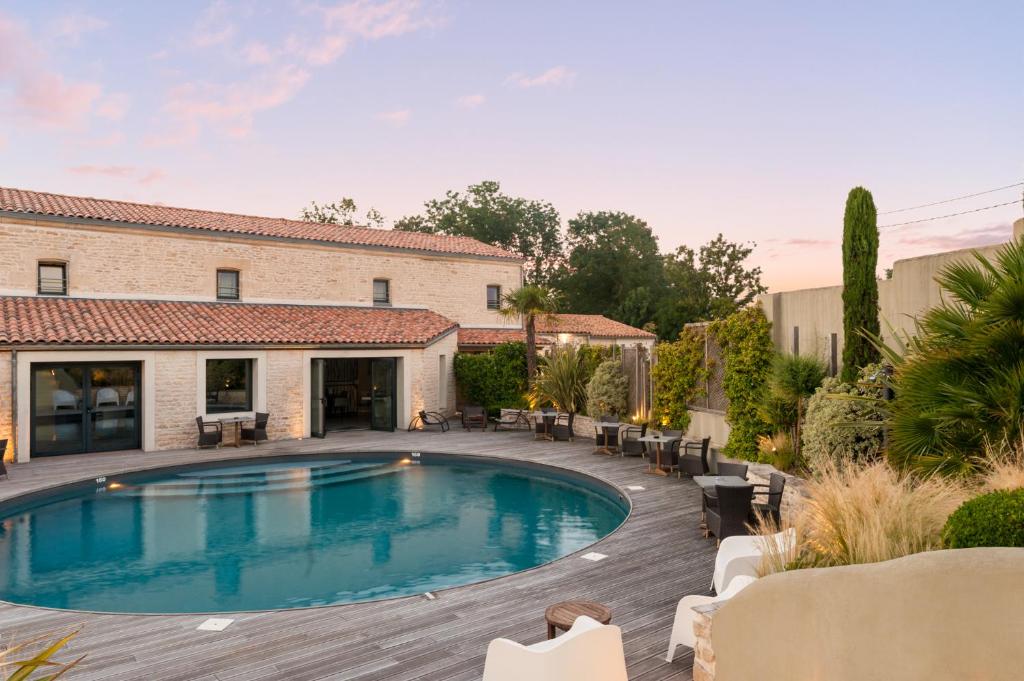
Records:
x=381, y=292
x=227, y=284
x=493, y=297
x=53, y=279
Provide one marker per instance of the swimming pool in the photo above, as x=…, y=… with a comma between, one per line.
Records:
x=289, y=532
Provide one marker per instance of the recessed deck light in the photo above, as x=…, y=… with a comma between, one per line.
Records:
x=593, y=556
x=215, y=624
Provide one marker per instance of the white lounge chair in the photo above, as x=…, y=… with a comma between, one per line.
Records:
x=589, y=651
x=741, y=555
x=682, y=627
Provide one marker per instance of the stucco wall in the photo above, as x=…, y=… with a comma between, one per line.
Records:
x=122, y=262
x=939, y=615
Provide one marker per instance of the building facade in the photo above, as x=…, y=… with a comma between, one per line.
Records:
x=122, y=323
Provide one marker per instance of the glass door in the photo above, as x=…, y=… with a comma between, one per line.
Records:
x=112, y=413
x=317, y=399
x=383, y=381
x=58, y=408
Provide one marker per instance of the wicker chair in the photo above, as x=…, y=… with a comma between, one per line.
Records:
x=607, y=438
x=514, y=420
x=772, y=508
x=630, y=440
x=258, y=433
x=211, y=433
x=474, y=417
x=429, y=419
x=692, y=463
x=544, y=425
x=737, y=469
x=730, y=515
x=562, y=430
x=3, y=450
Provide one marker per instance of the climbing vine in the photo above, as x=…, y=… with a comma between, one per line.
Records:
x=680, y=377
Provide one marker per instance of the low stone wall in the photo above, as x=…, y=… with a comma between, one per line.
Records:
x=954, y=614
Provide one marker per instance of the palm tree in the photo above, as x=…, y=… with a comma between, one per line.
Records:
x=528, y=302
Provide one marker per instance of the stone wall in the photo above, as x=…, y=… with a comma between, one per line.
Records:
x=124, y=262
x=6, y=405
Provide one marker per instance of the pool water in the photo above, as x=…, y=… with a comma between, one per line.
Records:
x=261, y=535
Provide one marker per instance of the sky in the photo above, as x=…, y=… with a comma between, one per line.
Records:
x=749, y=118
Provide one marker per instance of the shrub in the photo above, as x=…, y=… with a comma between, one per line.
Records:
x=680, y=377
x=493, y=379
x=778, y=451
x=747, y=352
x=592, y=355
x=1004, y=468
x=561, y=380
x=608, y=391
x=794, y=379
x=860, y=281
x=843, y=424
x=993, y=519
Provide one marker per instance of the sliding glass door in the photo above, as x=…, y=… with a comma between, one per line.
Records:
x=317, y=399
x=383, y=374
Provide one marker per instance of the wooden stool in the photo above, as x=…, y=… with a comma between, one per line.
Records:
x=562, y=615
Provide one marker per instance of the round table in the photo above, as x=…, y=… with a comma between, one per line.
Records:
x=562, y=615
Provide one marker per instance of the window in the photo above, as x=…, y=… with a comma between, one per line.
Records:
x=381, y=292
x=493, y=297
x=227, y=284
x=53, y=279
x=228, y=385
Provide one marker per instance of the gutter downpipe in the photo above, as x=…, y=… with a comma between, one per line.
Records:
x=14, y=403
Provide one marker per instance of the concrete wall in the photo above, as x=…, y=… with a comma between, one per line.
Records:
x=119, y=262
x=704, y=423
x=818, y=312
x=940, y=615
x=6, y=406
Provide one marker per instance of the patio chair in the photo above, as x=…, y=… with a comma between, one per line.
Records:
x=258, y=433
x=544, y=425
x=211, y=433
x=682, y=626
x=772, y=507
x=629, y=438
x=515, y=420
x=3, y=466
x=428, y=419
x=106, y=397
x=670, y=450
x=589, y=651
x=741, y=555
x=562, y=429
x=737, y=469
x=473, y=417
x=729, y=515
x=693, y=463
x=608, y=438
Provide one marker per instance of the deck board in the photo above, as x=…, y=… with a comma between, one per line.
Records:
x=658, y=556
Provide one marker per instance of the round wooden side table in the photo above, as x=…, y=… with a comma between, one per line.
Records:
x=562, y=615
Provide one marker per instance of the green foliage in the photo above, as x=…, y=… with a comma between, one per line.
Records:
x=711, y=286
x=993, y=519
x=610, y=255
x=527, y=303
x=22, y=668
x=796, y=377
x=779, y=412
x=959, y=381
x=493, y=379
x=843, y=423
x=529, y=228
x=608, y=390
x=680, y=377
x=341, y=212
x=860, y=285
x=747, y=352
x=593, y=355
x=561, y=380
x=778, y=450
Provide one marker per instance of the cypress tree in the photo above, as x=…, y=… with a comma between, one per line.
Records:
x=860, y=285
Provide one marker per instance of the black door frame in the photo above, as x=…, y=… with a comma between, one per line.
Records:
x=315, y=391
x=394, y=394
x=86, y=439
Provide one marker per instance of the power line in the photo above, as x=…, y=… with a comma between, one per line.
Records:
x=952, y=215
x=958, y=198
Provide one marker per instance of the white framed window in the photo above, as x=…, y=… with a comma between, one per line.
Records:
x=228, y=284
x=493, y=297
x=52, y=279
x=381, y=292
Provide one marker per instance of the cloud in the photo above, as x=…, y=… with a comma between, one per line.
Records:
x=555, y=76
x=968, y=238
x=112, y=139
x=803, y=243
x=374, y=20
x=213, y=26
x=470, y=101
x=396, y=118
x=69, y=28
x=113, y=107
x=35, y=91
x=140, y=175
x=257, y=53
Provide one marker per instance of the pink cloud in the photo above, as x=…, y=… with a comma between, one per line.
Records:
x=396, y=118
x=257, y=53
x=373, y=20
x=113, y=107
x=141, y=175
x=213, y=26
x=555, y=76
x=470, y=101
x=69, y=28
x=968, y=238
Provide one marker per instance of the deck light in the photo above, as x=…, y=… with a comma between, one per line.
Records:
x=115, y=485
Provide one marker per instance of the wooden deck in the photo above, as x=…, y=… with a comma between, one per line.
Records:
x=657, y=557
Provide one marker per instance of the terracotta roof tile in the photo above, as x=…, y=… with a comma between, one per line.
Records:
x=60, y=205
x=493, y=336
x=82, y=321
x=589, y=324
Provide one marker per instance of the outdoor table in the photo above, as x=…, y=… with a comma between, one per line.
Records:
x=543, y=416
x=238, y=421
x=708, y=482
x=601, y=427
x=658, y=441
x=563, y=615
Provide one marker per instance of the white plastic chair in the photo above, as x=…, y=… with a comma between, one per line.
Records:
x=741, y=555
x=106, y=397
x=682, y=627
x=589, y=651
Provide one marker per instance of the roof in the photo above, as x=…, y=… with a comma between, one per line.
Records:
x=589, y=324
x=80, y=207
x=489, y=337
x=88, y=321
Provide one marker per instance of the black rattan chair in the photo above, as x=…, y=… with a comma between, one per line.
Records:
x=543, y=426
x=607, y=438
x=3, y=450
x=429, y=419
x=562, y=429
x=211, y=433
x=692, y=463
x=737, y=469
x=474, y=417
x=772, y=507
x=630, y=444
x=258, y=433
x=515, y=420
x=729, y=517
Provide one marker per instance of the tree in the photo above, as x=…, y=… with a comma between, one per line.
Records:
x=794, y=379
x=341, y=212
x=527, y=303
x=610, y=255
x=860, y=285
x=711, y=286
x=528, y=228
